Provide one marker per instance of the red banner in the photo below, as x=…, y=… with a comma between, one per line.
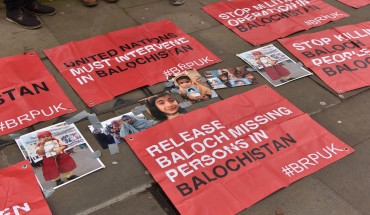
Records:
x=29, y=93
x=339, y=56
x=263, y=21
x=19, y=191
x=356, y=3
x=105, y=66
x=224, y=158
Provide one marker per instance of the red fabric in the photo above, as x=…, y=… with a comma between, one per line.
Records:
x=339, y=56
x=275, y=72
x=28, y=93
x=144, y=54
x=20, y=192
x=356, y=3
x=263, y=21
x=53, y=166
x=247, y=167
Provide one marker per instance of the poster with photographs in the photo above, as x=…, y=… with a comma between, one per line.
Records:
x=191, y=86
x=59, y=154
x=274, y=65
x=115, y=129
x=231, y=77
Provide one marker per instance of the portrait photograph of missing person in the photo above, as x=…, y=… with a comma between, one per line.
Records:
x=164, y=106
x=115, y=129
x=59, y=154
x=274, y=65
x=191, y=87
x=231, y=77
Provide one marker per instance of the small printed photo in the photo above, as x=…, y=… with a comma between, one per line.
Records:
x=164, y=106
x=240, y=82
x=191, y=86
x=226, y=77
x=59, y=154
x=274, y=65
x=216, y=83
x=114, y=130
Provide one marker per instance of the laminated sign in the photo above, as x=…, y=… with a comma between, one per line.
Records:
x=19, y=191
x=105, y=66
x=339, y=56
x=229, y=155
x=29, y=93
x=262, y=21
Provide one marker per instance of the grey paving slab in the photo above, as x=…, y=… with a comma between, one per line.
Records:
x=132, y=3
x=343, y=95
x=189, y=17
x=305, y=197
x=120, y=101
x=349, y=120
x=223, y=43
x=10, y=155
x=143, y=203
x=350, y=177
x=122, y=177
x=75, y=22
x=26, y=40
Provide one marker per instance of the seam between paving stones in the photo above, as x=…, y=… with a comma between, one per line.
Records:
x=124, y=196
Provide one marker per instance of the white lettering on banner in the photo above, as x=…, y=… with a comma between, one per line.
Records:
x=186, y=66
x=310, y=160
x=16, y=209
x=217, y=143
x=365, y=32
x=310, y=43
x=323, y=18
x=242, y=15
x=31, y=116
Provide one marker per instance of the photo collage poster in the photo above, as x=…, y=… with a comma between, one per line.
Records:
x=274, y=65
x=59, y=154
x=230, y=77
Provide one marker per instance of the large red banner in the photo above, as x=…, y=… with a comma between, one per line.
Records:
x=355, y=3
x=29, y=93
x=105, y=66
x=339, y=56
x=19, y=191
x=224, y=158
x=262, y=21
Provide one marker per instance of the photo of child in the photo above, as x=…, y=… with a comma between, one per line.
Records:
x=216, y=83
x=163, y=107
x=191, y=79
x=228, y=77
x=274, y=65
x=192, y=91
x=62, y=152
x=240, y=82
x=56, y=163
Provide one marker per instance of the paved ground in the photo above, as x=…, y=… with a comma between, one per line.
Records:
x=342, y=188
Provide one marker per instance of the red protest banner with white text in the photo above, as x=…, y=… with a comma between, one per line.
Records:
x=19, y=191
x=356, y=3
x=105, y=66
x=29, y=93
x=224, y=158
x=339, y=56
x=262, y=21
